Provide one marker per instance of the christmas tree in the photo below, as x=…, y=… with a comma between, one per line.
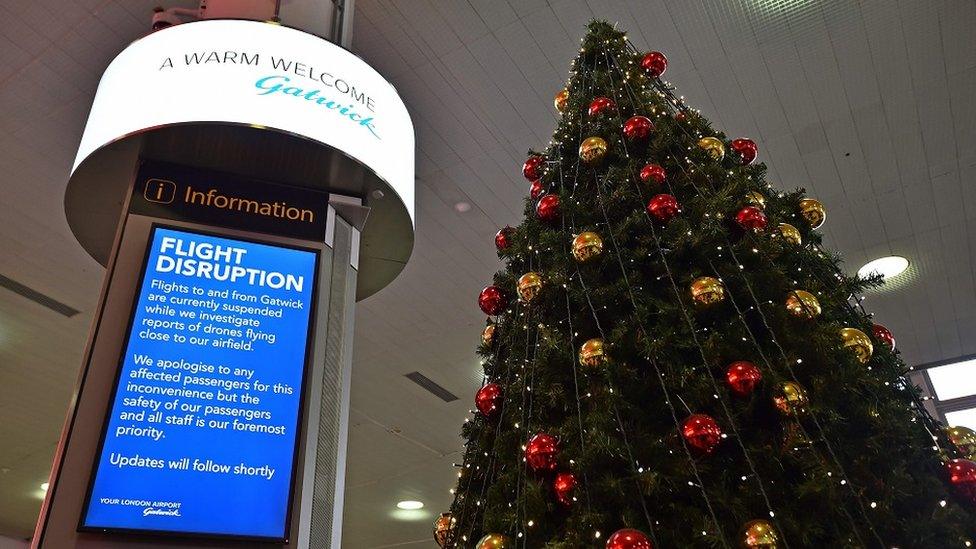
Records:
x=673, y=360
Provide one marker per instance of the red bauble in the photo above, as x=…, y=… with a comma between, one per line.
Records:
x=548, y=208
x=751, y=218
x=663, y=207
x=701, y=432
x=745, y=149
x=962, y=478
x=537, y=189
x=680, y=116
x=503, y=238
x=655, y=63
x=653, y=172
x=492, y=300
x=563, y=485
x=601, y=105
x=742, y=377
x=532, y=169
x=541, y=452
x=628, y=538
x=489, y=399
x=883, y=335
x=638, y=128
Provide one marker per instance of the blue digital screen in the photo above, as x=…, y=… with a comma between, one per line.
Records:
x=202, y=432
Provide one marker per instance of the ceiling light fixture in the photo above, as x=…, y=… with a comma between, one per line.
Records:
x=887, y=267
x=462, y=207
x=410, y=505
x=955, y=380
x=44, y=486
x=965, y=418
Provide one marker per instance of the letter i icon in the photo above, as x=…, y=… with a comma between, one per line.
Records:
x=159, y=191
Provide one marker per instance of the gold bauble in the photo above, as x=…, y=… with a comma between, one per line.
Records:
x=586, y=246
x=756, y=198
x=790, y=234
x=494, y=541
x=593, y=150
x=758, y=534
x=813, y=211
x=560, y=100
x=964, y=439
x=713, y=146
x=802, y=304
x=706, y=290
x=592, y=353
x=442, y=528
x=790, y=398
x=857, y=341
x=488, y=335
x=529, y=285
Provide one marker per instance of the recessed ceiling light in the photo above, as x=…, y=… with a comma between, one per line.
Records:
x=44, y=486
x=462, y=207
x=954, y=380
x=887, y=267
x=410, y=505
x=964, y=418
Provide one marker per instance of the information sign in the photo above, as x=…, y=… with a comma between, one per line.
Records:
x=201, y=435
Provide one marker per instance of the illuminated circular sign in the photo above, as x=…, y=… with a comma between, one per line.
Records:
x=261, y=77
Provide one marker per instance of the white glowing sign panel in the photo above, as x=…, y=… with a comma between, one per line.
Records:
x=246, y=72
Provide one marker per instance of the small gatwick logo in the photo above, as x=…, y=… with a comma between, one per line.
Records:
x=278, y=85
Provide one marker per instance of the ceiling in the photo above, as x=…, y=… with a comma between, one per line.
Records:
x=868, y=104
